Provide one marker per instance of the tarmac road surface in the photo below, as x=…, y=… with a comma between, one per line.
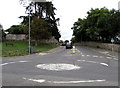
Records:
x=61, y=67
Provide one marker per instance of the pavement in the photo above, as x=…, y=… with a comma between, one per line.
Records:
x=83, y=66
x=58, y=49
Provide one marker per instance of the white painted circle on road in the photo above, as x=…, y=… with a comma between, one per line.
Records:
x=58, y=67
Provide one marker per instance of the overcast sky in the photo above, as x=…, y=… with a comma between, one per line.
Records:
x=67, y=10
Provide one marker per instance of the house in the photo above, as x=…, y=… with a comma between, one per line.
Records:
x=24, y=37
x=16, y=37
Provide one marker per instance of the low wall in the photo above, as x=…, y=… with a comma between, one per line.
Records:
x=51, y=40
x=116, y=47
x=16, y=36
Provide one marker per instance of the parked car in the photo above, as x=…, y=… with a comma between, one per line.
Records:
x=69, y=46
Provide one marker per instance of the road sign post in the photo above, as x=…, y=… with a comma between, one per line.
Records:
x=112, y=40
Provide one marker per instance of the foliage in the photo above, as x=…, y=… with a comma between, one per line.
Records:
x=16, y=29
x=1, y=27
x=39, y=29
x=52, y=26
x=61, y=41
x=100, y=25
x=44, y=11
x=73, y=40
x=66, y=41
x=2, y=33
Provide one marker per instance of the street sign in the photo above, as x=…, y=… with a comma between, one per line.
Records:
x=112, y=40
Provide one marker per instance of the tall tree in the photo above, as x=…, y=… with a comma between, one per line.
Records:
x=39, y=30
x=100, y=25
x=45, y=11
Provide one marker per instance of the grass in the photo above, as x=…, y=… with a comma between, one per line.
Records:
x=20, y=48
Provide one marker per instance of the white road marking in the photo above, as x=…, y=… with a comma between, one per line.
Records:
x=4, y=64
x=81, y=60
x=35, y=80
x=87, y=61
x=22, y=61
x=100, y=57
x=104, y=64
x=13, y=62
x=64, y=82
x=114, y=58
x=82, y=81
x=109, y=57
x=95, y=56
x=88, y=55
x=94, y=62
x=83, y=55
x=58, y=67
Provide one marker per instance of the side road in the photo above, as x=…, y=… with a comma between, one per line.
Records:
x=58, y=49
x=106, y=52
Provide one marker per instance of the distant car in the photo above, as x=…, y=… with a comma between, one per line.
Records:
x=69, y=46
x=63, y=44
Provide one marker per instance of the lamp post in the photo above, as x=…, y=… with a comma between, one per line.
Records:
x=29, y=36
x=29, y=12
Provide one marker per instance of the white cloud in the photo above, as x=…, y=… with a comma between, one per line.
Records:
x=68, y=11
x=10, y=11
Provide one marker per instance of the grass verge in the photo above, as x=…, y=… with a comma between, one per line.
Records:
x=20, y=48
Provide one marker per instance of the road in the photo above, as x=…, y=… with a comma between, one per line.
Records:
x=84, y=67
